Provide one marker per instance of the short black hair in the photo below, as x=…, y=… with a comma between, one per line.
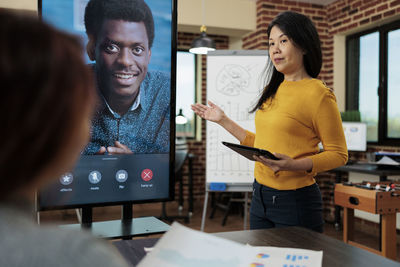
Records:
x=97, y=11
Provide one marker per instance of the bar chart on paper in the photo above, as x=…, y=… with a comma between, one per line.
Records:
x=234, y=82
x=182, y=247
x=225, y=164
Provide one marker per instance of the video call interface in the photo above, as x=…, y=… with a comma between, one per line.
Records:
x=138, y=170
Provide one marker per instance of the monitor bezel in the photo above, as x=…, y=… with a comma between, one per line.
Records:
x=348, y=123
x=171, y=191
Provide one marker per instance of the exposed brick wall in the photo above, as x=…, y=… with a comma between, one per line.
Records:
x=268, y=9
x=326, y=183
x=336, y=18
x=198, y=148
x=345, y=15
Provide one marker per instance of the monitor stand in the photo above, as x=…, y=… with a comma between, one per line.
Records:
x=126, y=228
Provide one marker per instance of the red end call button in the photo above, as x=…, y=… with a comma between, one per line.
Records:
x=147, y=175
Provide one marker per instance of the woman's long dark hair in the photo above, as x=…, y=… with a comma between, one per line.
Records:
x=302, y=32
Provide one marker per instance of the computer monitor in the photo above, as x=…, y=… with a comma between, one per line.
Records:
x=356, y=135
x=145, y=131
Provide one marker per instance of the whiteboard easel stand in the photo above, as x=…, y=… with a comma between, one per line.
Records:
x=246, y=188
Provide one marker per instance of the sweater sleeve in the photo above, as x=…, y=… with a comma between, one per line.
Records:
x=328, y=126
x=249, y=139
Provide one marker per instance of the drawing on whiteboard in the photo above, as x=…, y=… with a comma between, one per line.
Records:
x=235, y=80
x=232, y=79
x=237, y=112
x=224, y=162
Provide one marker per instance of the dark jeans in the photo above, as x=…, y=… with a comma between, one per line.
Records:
x=281, y=208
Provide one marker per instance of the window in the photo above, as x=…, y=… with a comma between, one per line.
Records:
x=186, y=92
x=373, y=81
x=393, y=84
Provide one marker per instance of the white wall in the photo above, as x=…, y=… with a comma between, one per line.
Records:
x=339, y=70
x=19, y=4
x=225, y=17
x=236, y=21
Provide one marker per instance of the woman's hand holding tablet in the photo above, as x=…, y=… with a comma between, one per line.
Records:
x=249, y=152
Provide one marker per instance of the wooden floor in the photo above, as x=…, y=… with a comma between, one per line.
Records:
x=365, y=234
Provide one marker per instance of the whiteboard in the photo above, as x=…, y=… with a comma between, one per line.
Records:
x=234, y=83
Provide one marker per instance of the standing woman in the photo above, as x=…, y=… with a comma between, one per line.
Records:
x=295, y=112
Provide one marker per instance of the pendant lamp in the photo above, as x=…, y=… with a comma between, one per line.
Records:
x=180, y=118
x=203, y=43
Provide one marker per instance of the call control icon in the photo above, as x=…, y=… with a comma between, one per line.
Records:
x=147, y=175
x=94, y=177
x=121, y=176
x=67, y=178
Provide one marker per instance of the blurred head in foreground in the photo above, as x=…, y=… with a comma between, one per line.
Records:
x=47, y=96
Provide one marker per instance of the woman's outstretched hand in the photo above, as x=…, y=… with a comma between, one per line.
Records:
x=211, y=112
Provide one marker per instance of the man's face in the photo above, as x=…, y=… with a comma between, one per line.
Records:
x=122, y=54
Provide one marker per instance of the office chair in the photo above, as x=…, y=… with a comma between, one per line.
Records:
x=228, y=202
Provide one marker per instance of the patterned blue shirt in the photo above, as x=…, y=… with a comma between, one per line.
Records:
x=145, y=128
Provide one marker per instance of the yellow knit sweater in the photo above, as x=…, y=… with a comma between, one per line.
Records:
x=302, y=114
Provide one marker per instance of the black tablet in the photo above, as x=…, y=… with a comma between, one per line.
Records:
x=248, y=151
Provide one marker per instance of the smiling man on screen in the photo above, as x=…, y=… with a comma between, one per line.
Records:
x=133, y=115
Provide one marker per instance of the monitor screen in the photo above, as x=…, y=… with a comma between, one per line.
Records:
x=356, y=136
x=131, y=47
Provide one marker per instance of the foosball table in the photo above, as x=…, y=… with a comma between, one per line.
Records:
x=381, y=198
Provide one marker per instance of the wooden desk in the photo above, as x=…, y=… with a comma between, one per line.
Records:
x=335, y=252
x=382, y=171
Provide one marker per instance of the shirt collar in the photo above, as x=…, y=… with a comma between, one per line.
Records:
x=134, y=106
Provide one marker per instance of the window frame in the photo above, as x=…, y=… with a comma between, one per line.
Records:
x=193, y=135
x=352, y=96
